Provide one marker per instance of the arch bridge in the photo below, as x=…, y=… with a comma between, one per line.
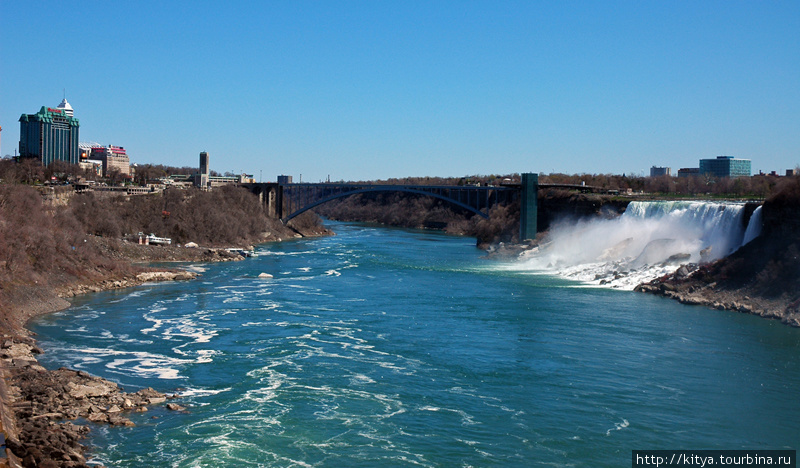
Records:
x=288, y=200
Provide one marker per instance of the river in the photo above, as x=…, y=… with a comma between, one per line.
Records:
x=391, y=347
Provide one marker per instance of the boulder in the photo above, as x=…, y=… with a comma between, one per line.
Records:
x=91, y=389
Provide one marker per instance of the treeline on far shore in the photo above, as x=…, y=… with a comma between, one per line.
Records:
x=760, y=186
x=757, y=186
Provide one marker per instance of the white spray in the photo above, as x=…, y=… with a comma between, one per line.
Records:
x=649, y=240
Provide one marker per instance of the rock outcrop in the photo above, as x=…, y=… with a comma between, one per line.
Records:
x=45, y=402
x=761, y=278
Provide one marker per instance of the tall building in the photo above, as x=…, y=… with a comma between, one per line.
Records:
x=50, y=135
x=112, y=157
x=656, y=171
x=201, y=179
x=725, y=166
x=204, y=163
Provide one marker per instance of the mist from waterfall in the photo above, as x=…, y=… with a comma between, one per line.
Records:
x=649, y=240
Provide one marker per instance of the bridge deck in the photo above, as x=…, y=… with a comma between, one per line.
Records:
x=285, y=201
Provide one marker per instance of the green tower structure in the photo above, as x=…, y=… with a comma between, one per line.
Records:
x=49, y=135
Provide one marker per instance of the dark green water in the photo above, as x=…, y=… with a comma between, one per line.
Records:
x=385, y=347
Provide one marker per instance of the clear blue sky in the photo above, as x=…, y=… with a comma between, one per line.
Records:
x=378, y=89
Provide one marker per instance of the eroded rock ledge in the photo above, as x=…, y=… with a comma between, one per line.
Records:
x=699, y=288
x=45, y=402
x=141, y=278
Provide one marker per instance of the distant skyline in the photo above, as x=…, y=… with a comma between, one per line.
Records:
x=356, y=90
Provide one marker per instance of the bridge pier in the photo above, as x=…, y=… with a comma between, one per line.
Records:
x=528, y=210
x=271, y=197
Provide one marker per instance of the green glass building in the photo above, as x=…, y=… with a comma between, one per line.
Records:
x=725, y=166
x=49, y=135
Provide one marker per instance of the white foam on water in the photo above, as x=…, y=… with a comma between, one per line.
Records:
x=205, y=356
x=123, y=338
x=256, y=324
x=201, y=392
x=157, y=323
x=183, y=327
x=146, y=366
x=471, y=443
x=139, y=363
x=649, y=240
x=284, y=254
x=618, y=426
x=466, y=418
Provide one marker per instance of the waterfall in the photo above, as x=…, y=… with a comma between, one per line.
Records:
x=753, y=227
x=649, y=240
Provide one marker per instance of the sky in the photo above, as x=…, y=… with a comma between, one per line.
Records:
x=378, y=89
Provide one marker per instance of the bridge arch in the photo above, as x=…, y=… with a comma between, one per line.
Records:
x=386, y=188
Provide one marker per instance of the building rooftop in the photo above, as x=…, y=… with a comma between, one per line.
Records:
x=67, y=108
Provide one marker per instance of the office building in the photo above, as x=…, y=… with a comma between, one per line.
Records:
x=688, y=172
x=204, y=163
x=112, y=157
x=725, y=166
x=50, y=135
x=656, y=171
x=202, y=179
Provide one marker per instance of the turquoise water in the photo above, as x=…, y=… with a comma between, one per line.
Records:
x=388, y=347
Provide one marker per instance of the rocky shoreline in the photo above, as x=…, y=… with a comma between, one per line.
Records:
x=762, y=278
x=50, y=252
x=37, y=406
x=43, y=403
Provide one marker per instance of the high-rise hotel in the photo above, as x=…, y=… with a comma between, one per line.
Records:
x=50, y=135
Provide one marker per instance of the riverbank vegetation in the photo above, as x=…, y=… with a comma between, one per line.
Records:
x=758, y=186
x=55, y=247
x=47, y=246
